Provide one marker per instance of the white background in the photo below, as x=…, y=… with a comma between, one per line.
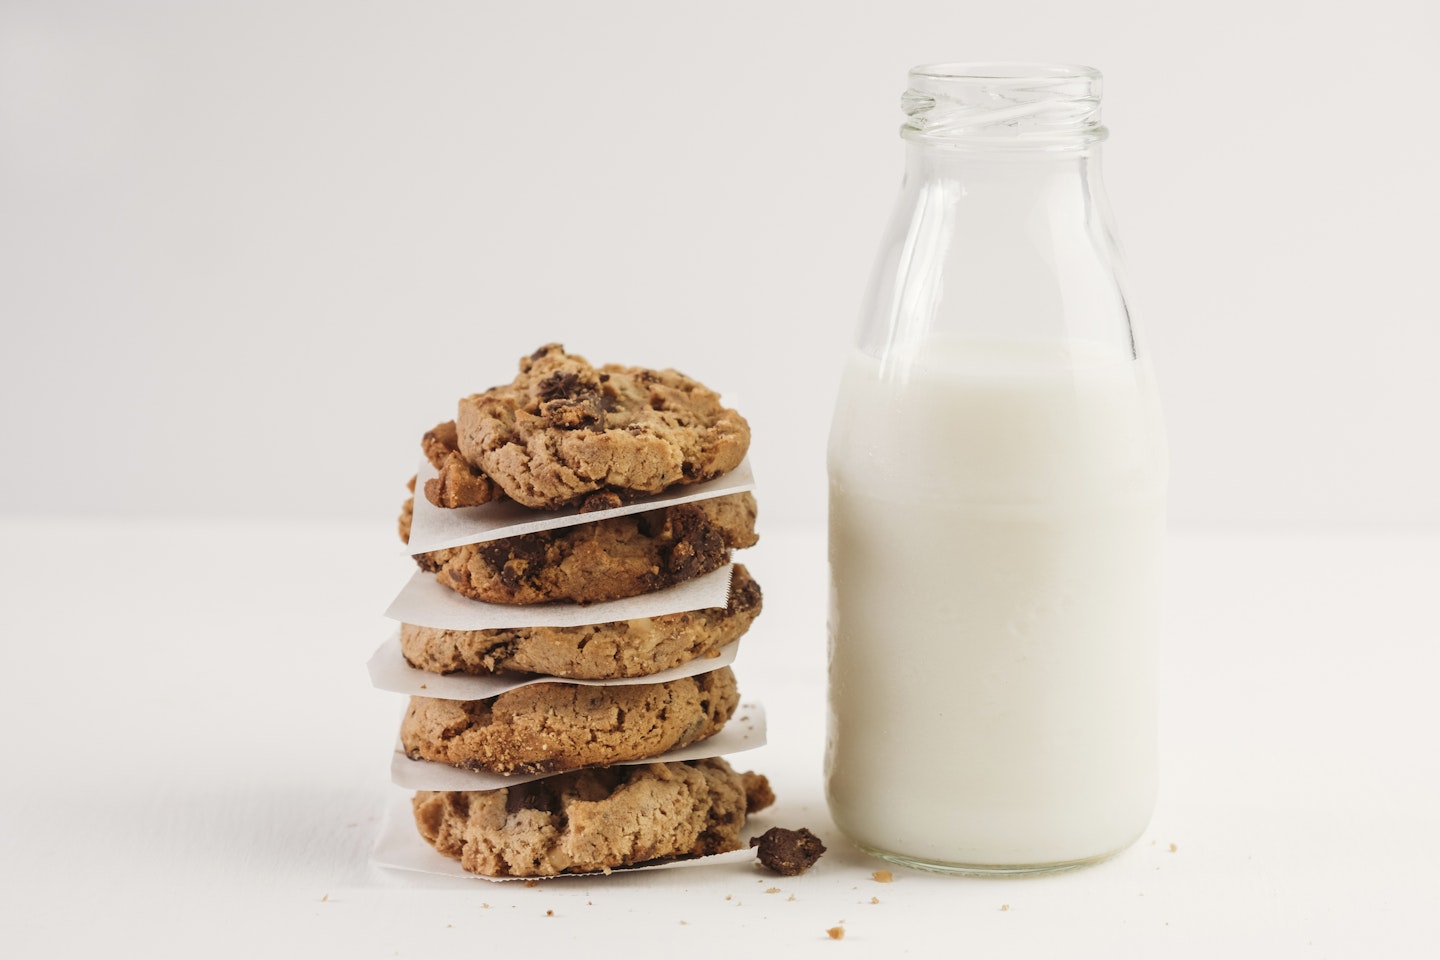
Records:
x=248, y=243
x=249, y=252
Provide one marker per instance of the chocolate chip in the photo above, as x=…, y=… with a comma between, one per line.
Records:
x=745, y=595
x=535, y=795
x=604, y=500
x=514, y=557
x=560, y=385
x=569, y=402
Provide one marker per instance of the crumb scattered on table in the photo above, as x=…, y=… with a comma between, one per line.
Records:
x=883, y=876
x=836, y=933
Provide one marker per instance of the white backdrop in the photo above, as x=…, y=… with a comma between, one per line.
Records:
x=251, y=251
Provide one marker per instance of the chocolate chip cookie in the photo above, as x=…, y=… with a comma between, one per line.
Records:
x=600, y=651
x=553, y=727
x=593, y=820
x=607, y=559
x=564, y=429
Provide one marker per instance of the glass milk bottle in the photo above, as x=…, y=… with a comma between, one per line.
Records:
x=997, y=498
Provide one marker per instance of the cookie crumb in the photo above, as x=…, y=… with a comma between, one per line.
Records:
x=874, y=899
x=836, y=933
x=532, y=883
x=883, y=876
x=549, y=913
x=1004, y=907
x=772, y=889
x=1173, y=848
x=788, y=852
x=790, y=899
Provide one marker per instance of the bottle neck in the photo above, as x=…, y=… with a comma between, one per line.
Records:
x=1002, y=230
x=1010, y=138
x=1008, y=170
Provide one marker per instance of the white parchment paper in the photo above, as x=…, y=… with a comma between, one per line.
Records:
x=745, y=731
x=390, y=671
x=424, y=602
x=434, y=528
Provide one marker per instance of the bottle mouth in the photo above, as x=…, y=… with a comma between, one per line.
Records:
x=999, y=103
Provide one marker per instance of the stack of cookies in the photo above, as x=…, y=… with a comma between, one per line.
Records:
x=608, y=471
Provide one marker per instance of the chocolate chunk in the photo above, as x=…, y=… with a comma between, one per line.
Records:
x=698, y=545
x=604, y=500
x=788, y=852
x=536, y=795
x=516, y=558
x=570, y=402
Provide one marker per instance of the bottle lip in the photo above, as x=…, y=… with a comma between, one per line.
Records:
x=1006, y=70
x=1000, y=104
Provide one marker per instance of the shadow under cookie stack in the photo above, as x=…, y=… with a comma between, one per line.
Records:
x=567, y=639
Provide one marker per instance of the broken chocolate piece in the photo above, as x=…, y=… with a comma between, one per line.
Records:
x=788, y=852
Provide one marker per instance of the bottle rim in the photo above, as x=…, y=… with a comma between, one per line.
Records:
x=1006, y=70
x=1003, y=104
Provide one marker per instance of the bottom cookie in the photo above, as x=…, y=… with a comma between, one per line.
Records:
x=591, y=820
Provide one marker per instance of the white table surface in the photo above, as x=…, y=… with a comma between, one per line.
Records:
x=198, y=767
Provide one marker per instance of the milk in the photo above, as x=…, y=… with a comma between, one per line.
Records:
x=996, y=538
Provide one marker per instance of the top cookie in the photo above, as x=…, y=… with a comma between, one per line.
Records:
x=564, y=429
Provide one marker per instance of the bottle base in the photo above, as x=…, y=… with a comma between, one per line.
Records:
x=985, y=869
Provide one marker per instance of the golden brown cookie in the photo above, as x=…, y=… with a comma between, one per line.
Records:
x=553, y=727
x=607, y=559
x=592, y=820
x=599, y=651
x=564, y=429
